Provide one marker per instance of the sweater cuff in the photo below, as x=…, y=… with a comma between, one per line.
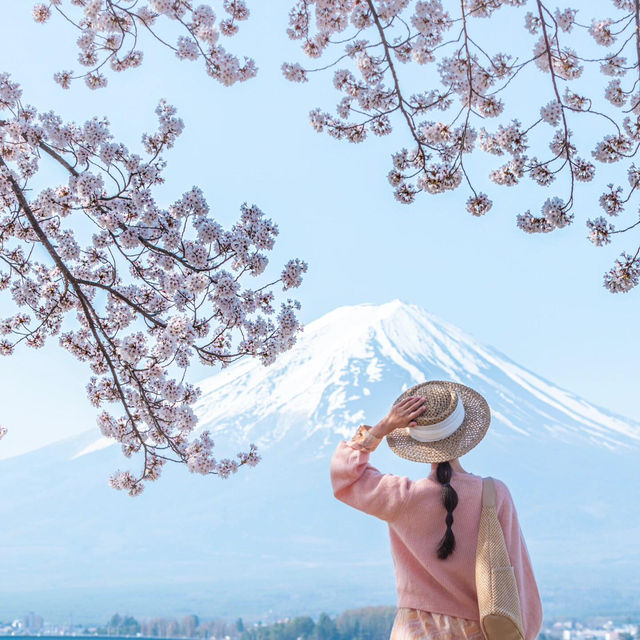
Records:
x=363, y=440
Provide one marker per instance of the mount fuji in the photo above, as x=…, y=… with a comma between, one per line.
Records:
x=272, y=540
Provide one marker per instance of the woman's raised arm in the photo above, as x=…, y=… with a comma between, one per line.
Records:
x=360, y=485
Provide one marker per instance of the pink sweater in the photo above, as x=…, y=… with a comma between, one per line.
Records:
x=415, y=515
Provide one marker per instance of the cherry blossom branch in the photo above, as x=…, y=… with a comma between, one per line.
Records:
x=69, y=280
x=394, y=75
x=368, y=39
x=154, y=287
x=109, y=34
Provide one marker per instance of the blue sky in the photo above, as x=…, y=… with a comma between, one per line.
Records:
x=538, y=299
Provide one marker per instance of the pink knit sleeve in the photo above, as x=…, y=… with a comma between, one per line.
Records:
x=358, y=484
x=527, y=588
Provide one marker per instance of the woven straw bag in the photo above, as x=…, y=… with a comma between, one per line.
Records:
x=498, y=601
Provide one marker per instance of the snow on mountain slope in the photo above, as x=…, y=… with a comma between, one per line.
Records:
x=272, y=540
x=326, y=383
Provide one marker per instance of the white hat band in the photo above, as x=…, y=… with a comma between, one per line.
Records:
x=442, y=429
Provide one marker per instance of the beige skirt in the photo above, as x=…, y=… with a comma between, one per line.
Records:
x=413, y=624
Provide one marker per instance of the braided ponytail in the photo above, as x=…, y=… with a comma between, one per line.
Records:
x=450, y=502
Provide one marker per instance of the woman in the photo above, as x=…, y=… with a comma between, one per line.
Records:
x=434, y=558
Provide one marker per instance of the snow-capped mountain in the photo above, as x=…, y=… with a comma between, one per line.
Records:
x=273, y=540
x=355, y=359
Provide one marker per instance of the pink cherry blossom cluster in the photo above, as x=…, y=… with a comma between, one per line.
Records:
x=625, y=275
x=367, y=42
x=136, y=290
x=109, y=32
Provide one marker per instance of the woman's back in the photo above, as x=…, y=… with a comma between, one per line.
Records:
x=415, y=534
x=416, y=518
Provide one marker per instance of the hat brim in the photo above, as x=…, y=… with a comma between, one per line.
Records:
x=477, y=417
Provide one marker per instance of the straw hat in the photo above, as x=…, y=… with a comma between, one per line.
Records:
x=454, y=420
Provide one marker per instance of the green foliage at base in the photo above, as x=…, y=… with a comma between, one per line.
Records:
x=121, y=626
x=369, y=623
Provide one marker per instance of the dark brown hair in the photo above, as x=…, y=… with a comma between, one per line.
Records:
x=450, y=502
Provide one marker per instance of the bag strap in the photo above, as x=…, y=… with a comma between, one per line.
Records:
x=488, y=492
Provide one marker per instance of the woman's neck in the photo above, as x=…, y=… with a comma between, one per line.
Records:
x=455, y=465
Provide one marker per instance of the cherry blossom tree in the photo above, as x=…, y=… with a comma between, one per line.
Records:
x=135, y=289
x=465, y=82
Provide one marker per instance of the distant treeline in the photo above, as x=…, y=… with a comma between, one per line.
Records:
x=188, y=627
x=369, y=623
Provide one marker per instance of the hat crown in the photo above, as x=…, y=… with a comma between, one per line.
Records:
x=441, y=402
x=431, y=439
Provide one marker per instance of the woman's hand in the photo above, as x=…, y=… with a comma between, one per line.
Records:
x=401, y=415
